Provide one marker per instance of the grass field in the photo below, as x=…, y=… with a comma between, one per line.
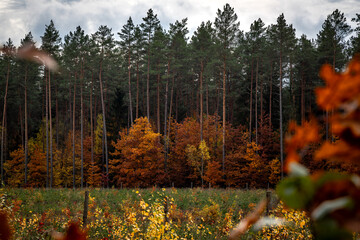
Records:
x=141, y=213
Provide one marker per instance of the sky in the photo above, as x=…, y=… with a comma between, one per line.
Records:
x=18, y=17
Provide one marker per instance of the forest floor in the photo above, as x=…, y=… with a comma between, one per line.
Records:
x=143, y=213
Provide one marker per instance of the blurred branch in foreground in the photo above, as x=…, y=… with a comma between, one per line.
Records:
x=31, y=53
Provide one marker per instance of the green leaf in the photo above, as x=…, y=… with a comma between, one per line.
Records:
x=296, y=192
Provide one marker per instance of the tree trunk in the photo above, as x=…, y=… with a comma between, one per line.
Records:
x=137, y=89
x=158, y=102
x=73, y=130
x=224, y=118
x=57, y=116
x=3, y=125
x=251, y=99
x=302, y=97
x=47, y=129
x=92, y=126
x=130, y=99
x=270, y=96
x=82, y=125
x=104, y=125
x=261, y=100
x=26, y=125
x=256, y=100
x=201, y=119
x=50, y=133
x=281, y=122
x=165, y=119
x=148, y=87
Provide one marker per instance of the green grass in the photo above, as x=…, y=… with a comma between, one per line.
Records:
x=40, y=200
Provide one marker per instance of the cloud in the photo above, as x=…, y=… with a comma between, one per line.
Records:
x=18, y=17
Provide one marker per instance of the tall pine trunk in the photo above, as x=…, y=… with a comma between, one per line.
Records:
x=281, y=120
x=251, y=100
x=158, y=102
x=224, y=118
x=137, y=89
x=148, y=85
x=47, y=130
x=256, y=100
x=201, y=119
x=82, y=125
x=270, y=95
x=165, y=119
x=73, y=130
x=3, y=124
x=50, y=133
x=130, y=99
x=104, y=125
x=92, y=126
x=26, y=125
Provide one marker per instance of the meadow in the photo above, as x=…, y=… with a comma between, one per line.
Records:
x=144, y=213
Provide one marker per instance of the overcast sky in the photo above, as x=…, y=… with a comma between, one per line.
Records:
x=18, y=17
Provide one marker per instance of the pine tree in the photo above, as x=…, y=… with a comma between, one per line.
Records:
x=51, y=44
x=355, y=40
x=127, y=36
x=331, y=45
x=8, y=48
x=29, y=68
x=105, y=42
x=281, y=35
x=226, y=26
x=202, y=43
x=149, y=26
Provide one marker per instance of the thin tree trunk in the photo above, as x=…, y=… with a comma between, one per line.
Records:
x=3, y=125
x=251, y=99
x=26, y=125
x=82, y=125
x=224, y=118
x=92, y=127
x=148, y=87
x=201, y=119
x=207, y=99
x=47, y=129
x=261, y=100
x=281, y=122
x=256, y=100
x=165, y=119
x=137, y=89
x=158, y=102
x=57, y=116
x=50, y=133
x=270, y=96
x=302, y=97
x=104, y=125
x=73, y=130
x=130, y=99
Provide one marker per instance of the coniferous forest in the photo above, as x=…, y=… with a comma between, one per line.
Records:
x=157, y=105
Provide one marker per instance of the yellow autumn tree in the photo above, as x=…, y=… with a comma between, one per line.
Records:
x=198, y=157
x=15, y=168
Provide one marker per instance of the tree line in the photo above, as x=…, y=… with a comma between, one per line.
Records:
x=74, y=127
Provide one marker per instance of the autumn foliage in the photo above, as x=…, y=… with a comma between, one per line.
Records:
x=138, y=156
x=331, y=199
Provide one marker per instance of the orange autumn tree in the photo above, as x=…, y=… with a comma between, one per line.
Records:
x=186, y=139
x=37, y=164
x=138, y=159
